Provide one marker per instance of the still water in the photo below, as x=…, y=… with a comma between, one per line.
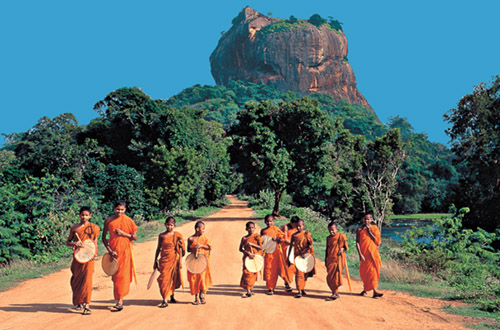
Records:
x=399, y=226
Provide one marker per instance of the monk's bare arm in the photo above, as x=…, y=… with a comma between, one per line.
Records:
x=130, y=236
x=361, y=256
x=158, y=249
x=242, y=247
x=105, y=240
x=372, y=235
x=71, y=237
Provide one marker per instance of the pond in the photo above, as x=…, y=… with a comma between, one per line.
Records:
x=399, y=226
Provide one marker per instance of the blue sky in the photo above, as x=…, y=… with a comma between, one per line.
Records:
x=415, y=59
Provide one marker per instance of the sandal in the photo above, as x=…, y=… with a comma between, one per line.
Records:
x=79, y=307
x=118, y=307
x=377, y=295
x=86, y=311
x=163, y=304
x=299, y=295
x=270, y=292
x=202, y=300
x=196, y=302
x=363, y=293
x=288, y=288
x=172, y=300
x=333, y=297
x=303, y=292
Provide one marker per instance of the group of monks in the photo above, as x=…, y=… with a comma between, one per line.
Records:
x=290, y=238
x=293, y=238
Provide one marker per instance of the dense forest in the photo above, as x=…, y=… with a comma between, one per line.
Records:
x=193, y=148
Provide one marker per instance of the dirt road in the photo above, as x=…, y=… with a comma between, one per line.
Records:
x=45, y=303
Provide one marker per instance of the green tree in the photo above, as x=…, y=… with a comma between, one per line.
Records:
x=51, y=146
x=337, y=25
x=258, y=153
x=316, y=20
x=475, y=140
x=381, y=162
x=426, y=167
x=181, y=156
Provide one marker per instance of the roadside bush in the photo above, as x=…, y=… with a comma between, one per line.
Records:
x=462, y=257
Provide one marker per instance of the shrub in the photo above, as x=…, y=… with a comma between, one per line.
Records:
x=316, y=20
x=462, y=257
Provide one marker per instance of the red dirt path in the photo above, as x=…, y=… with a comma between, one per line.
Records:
x=45, y=303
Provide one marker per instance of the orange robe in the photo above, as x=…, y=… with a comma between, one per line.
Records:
x=81, y=280
x=273, y=262
x=200, y=282
x=369, y=270
x=248, y=278
x=123, y=247
x=300, y=241
x=168, y=265
x=287, y=272
x=333, y=261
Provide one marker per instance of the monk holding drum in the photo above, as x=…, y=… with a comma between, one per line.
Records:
x=83, y=239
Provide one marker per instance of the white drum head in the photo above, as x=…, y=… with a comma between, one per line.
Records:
x=292, y=256
x=85, y=253
x=254, y=265
x=268, y=245
x=305, y=264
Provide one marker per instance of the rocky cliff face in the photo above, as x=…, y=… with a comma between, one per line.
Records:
x=294, y=56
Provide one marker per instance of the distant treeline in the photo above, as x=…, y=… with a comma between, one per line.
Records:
x=192, y=149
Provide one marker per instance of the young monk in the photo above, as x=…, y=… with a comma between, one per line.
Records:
x=250, y=245
x=81, y=280
x=287, y=270
x=367, y=241
x=336, y=245
x=199, y=283
x=302, y=243
x=273, y=262
x=171, y=245
x=122, y=231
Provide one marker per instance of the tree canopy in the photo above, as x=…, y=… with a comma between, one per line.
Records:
x=475, y=140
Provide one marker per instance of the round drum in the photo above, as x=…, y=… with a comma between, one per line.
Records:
x=306, y=263
x=268, y=245
x=291, y=258
x=196, y=264
x=109, y=264
x=85, y=253
x=254, y=265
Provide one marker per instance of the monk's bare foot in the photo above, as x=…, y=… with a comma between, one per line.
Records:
x=86, y=311
x=118, y=307
x=377, y=294
x=196, y=302
x=172, y=300
x=79, y=307
x=299, y=295
x=202, y=299
x=270, y=292
x=246, y=295
x=303, y=292
x=163, y=304
x=288, y=288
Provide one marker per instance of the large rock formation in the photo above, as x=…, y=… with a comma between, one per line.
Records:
x=295, y=56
